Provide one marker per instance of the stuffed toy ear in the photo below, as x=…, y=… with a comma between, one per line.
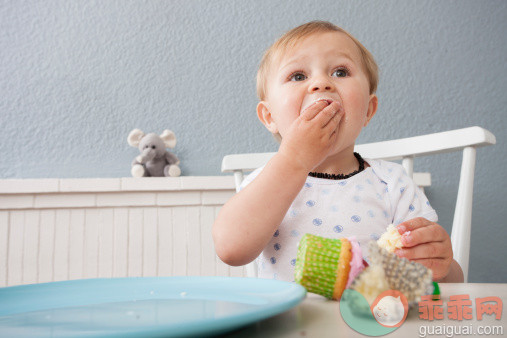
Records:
x=135, y=137
x=169, y=138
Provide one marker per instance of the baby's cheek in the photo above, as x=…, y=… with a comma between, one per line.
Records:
x=289, y=103
x=359, y=102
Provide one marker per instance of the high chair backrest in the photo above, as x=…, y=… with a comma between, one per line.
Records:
x=406, y=149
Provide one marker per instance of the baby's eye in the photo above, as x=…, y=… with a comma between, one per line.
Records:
x=297, y=77
x=152, y=147
x=341, y=72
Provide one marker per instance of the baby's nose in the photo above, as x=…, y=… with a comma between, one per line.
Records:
x=320, y=85
x=317, y=88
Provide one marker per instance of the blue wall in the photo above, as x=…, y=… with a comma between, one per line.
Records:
x=77, y=76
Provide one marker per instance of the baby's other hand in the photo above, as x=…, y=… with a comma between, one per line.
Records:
x=427, y=243
x=310, y=137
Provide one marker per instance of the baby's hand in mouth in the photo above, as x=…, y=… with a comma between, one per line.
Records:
x=326, y=100
x=312, y=134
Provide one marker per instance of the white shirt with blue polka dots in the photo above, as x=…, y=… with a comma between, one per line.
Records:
x=361, y=206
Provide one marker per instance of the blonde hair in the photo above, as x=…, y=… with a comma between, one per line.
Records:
x=292, y=37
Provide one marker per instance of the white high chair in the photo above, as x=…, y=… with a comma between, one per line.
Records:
x=406, y=149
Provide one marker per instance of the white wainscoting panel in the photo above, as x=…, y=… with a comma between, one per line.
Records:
x=61, y=229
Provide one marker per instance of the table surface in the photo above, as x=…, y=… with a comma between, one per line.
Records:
x=319, y=317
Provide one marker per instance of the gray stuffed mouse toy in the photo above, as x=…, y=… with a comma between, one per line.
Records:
x=154, y=159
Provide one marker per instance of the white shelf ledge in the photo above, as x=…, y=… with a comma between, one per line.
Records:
x=80, y=185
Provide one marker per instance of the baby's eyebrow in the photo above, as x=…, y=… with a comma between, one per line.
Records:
x=290, y=63
x=299, y=59
x=346, y=56
x=342, y=55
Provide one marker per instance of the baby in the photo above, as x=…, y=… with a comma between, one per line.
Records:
x=317, y=87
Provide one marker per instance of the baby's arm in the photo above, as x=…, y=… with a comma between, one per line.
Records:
x=249, y=219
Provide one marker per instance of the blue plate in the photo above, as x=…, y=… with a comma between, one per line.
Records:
x=147, y=306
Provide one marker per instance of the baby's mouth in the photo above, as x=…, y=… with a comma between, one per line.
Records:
x=329, y=101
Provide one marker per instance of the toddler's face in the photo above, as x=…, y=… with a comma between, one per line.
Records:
x=323, y=65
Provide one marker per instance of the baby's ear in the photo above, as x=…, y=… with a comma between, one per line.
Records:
x=264, y=115
x=372, y=108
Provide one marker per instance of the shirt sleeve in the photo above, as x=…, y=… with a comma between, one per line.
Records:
x=250, y=178
x=407, y=200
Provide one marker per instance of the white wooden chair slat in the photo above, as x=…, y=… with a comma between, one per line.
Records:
x=406, y=150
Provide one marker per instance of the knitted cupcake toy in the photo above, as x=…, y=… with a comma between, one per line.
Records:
x=390, y=272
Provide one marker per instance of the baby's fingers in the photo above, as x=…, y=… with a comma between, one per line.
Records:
x=312, y=111
x=428, y=234
x=424, y=251
x=329, y=115
x=332, y=125
x=412, y=224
